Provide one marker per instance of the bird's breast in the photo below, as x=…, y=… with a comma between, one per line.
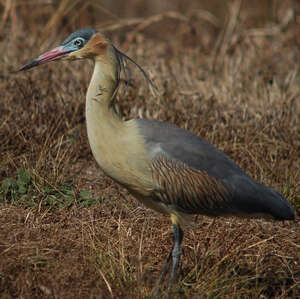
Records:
x=120, y=152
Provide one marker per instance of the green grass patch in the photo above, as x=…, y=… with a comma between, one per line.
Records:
x=27, y=190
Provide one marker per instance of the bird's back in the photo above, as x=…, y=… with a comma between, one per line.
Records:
x=195, y=177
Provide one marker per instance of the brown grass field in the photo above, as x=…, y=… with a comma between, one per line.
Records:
x=228, y=71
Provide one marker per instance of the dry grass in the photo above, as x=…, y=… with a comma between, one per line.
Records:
x=227, y=71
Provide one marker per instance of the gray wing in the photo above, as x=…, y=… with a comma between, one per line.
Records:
x=183, y=161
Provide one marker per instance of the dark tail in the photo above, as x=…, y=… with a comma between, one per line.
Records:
x=253, y=198
x=275, y=204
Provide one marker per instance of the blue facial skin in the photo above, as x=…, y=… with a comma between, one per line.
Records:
x=73, y=45
x=77, y=39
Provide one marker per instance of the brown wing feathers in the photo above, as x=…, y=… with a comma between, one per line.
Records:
x=190, y=190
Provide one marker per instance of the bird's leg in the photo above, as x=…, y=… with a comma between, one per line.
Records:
x=165, y=269
x=162, y=275
x=175, y=254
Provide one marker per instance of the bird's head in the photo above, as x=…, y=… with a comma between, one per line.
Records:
x=81, y=44
x=89, y=43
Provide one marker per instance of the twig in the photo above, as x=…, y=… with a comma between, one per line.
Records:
x=106, y=282
x=151, y=20
x=224, y=40
x=260, y=242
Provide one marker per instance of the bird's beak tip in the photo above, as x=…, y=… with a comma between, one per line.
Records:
x=29, y=65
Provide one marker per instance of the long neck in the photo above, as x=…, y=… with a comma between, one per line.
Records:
x=116, y=145
x=103, y=124
x=100, y=94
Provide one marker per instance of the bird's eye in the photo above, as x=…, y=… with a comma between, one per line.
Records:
x=78, y=42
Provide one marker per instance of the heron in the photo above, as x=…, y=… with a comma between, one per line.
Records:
x=165, y=167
